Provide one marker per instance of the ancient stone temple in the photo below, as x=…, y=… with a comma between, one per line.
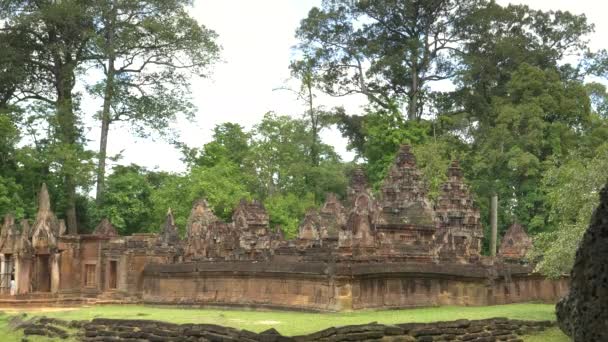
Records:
x=394, y=249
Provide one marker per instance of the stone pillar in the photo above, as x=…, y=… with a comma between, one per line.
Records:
x=55, y=275
x=10, y=271
x=494, y=224
x=23, y=275
x=4, y=285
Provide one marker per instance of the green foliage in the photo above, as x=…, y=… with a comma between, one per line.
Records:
x=10, y=202
x=287, y=211
x=386, y=50
x=221, y=185
x=572, y=187
x=521, y=119
x=128, y=204
x=433, y=160
x=230, y=143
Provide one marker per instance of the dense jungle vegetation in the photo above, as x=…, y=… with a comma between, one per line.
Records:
x=526, y=111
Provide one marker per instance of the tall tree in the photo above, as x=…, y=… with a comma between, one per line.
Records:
x=389, y=50
x=59, y=34
x=305, y=71
x=148, y=51
x=499, y=39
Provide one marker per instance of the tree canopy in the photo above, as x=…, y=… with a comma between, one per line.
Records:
x=515, y=94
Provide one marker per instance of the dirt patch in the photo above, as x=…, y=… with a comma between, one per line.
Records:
x=34, y=310
x=268, y=322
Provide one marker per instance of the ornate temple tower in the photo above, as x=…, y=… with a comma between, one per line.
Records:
x=310, y=228
x=516, y=243
x=251, y=223
x=406, y=216
x=169, y=235
x=360, y=228
x=199, y=230
x=459, y=232
x=333, y=217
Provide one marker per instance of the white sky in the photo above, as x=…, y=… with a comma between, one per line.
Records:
x=257, y=39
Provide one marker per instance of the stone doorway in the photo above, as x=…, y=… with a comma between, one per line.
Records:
x=112, y=275
x=42, y=273
x=7, y=274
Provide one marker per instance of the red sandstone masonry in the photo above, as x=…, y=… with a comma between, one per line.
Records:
x=396, y=250
x=335, y=287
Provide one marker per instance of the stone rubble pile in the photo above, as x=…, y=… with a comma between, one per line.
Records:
x=100, y=329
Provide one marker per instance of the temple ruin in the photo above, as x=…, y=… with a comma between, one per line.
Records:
x=397, y=250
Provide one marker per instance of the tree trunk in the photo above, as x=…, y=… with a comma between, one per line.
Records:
x=68, y=133
x=70, y=213
x=314, y=123
x=105, y=129
x=494, y=224
x=412, y=110
x=106, y=118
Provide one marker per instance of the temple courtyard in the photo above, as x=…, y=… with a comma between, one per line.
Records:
x=288, y=323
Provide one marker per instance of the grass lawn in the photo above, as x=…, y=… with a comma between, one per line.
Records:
x=296, y=323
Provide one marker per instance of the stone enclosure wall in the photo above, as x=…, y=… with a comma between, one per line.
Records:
x=327, y=287
x=488, y=330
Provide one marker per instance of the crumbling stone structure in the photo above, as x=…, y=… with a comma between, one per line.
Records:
x=494, y=329
x=394, y=250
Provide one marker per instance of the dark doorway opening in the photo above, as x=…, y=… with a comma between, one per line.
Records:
x=7, y=278
x=113, y=283
x=42, y=280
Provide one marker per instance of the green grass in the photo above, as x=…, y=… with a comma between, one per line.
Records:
x=551, y=335
x=297, y=323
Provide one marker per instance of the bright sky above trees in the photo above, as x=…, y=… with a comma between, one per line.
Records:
x=257, y=37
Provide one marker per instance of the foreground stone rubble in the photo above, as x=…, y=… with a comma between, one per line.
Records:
x=487, y=330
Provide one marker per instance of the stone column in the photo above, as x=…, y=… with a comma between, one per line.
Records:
x=23, y=275
x=494, y=224
x=4, y=285
x=55, y=276
x=9, y=272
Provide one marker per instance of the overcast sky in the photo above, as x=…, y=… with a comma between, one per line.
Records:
x=257, y=39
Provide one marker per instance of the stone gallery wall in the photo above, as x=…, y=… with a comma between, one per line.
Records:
x=327, y=287
x=488, y=330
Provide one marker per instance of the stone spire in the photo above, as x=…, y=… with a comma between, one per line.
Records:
x=458, y=219
x=455, y=207
x=251, y=216
x=44, y=200
x=202, y=229
x=310, y=227
x=46, y=226
x=333, y=217
x=358, y=184
x=25, y=228
x=516, y=243
x=403, y=196
x=169, y=234
x=105, y=228
x=8, y=232
x=201, y=217
x=24, y=245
